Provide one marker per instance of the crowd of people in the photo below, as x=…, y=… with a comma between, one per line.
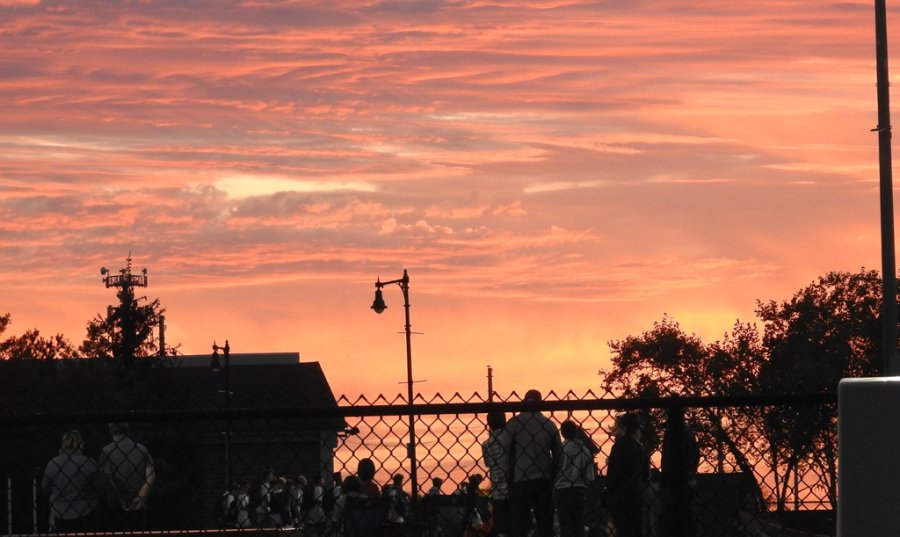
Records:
x=277, y=502
x=539, y=476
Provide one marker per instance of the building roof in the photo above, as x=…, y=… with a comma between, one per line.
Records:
x=255, y=384
x=87, y=386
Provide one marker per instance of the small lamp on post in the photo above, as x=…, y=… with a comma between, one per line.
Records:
x=379, y=306
x=215, y=366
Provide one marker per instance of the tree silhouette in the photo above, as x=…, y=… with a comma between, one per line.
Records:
x=827, y=331
x=31, y=345
x=124, y=335
x=666, y=361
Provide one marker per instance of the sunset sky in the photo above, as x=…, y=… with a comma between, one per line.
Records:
x=554, y=174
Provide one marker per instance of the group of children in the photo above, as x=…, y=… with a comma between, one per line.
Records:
x=277, y=502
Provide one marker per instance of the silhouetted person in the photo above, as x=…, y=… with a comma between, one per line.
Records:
x=365, y=471
x=399, y=499
x=532, y=441
x=71, y=479
x=352, y=488
x=262, y=498
x=496, y=458
x=627, y=473
x=130, y=474
x=436, y=484
x=576, y=473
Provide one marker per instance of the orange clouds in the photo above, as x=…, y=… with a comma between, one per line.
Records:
x=553, y=175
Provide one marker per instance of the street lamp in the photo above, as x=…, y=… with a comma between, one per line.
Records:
x=379, y=306
x=215, y=366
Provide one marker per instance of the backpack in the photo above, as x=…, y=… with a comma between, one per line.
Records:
x=328, y=498
x=308, y=498
x=280, y=503
x=399, y=503
x=227, y=512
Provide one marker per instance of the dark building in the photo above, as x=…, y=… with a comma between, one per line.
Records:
x=269, y=386
x=184, y=417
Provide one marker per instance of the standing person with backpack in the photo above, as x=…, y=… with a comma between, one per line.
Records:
x=574, y=477
x=280, y=503
x=399, y=499
x=496, y=458
x=233, y=507
x=313, y=496
x=261, y=498
x=298, y=491
x=243, y=506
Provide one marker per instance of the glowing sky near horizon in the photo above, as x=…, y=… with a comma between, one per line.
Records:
x=554, y=175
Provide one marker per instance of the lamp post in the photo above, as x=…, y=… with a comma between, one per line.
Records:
x=379, y=306
x=215, y=366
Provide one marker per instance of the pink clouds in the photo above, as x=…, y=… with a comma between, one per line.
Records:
x=617, y=160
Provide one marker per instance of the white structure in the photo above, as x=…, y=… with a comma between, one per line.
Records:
x=869, y=457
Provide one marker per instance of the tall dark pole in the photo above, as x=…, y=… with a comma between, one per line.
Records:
x=413, y=470
x=162, y=336
x=214, y=365
x=490, y=384
x=379, y=306
x=888, y=268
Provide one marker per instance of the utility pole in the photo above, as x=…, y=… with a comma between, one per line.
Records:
x=888, y=264
x=162, y=336
x=490, y=378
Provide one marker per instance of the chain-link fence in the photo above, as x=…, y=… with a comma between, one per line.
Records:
x=750, y=466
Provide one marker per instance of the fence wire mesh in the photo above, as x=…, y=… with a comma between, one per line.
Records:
x=766, y=466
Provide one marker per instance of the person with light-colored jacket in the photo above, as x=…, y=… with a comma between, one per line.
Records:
x=574, y=477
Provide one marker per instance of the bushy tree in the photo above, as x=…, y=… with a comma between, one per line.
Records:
x=125, y=334
x=827, y=331
x=31, y=345
x=663, y=360
x=667, y=361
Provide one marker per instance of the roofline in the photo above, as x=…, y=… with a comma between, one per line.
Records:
x=239, y=358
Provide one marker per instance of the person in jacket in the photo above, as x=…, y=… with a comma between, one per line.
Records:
x=71, y=478
x=532, y=441
x=496, y=459
x=628, y=470
x=130, y=474
x=575, y=475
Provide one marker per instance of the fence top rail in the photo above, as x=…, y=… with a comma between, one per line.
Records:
x=8, y=418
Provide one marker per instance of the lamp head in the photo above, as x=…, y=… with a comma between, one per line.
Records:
x=378, y=305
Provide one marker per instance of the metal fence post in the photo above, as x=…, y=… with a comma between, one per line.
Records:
x=676, y=500
x=9, y=505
